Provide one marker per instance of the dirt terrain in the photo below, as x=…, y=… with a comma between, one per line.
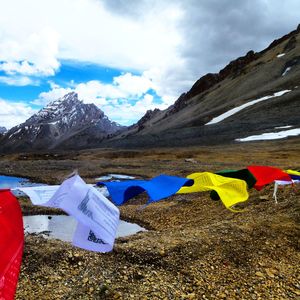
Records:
x=194, y=248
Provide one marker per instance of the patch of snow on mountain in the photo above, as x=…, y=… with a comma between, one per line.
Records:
x=286, y=71
x=283, y=127
x=271, y=135
x=16, y=132
x=281, y=54
x=54, y=122
x=239, y=108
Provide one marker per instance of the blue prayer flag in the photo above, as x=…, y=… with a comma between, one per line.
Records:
x=157, y=188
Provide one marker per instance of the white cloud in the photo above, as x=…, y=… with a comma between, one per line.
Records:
x=133, y=85
x=55, y=93
x=126, y=113
x=89, y=31
x=123, y=86
x=34, y=54
x=171, y=43
x=18, y=80
x=125, y=100
x=14, y=113
x=94, y=91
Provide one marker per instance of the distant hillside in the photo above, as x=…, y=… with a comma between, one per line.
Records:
x=256, y=94
x=259, y=93
x=64, y=123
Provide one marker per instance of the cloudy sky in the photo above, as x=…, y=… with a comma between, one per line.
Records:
x=126, y=56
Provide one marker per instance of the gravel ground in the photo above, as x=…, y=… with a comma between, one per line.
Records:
x=194, y=248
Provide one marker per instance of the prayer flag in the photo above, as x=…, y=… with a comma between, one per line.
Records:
x=282, y=182
x=243, y=174
x=157, y=188
x=11, y=244
x=39, y=195
x=98, y=218
x=294, y=174
x=266, y=175
x=230, y=190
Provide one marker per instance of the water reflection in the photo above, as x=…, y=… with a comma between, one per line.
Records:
x=63, y=227
x=11, y=182
x=114, y=177
x=7, y=182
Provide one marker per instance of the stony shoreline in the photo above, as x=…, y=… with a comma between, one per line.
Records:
x=194, y=248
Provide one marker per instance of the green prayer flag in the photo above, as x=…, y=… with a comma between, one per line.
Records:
x=243, y=174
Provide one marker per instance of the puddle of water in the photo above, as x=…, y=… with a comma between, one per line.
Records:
x=113, y=177
x=7, y=182
x=63, y=227
x=103, y=190
x=59, y=227
x=11, y=182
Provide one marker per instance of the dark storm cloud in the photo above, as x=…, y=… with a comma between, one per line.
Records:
x=134, y=8
x=217, y=31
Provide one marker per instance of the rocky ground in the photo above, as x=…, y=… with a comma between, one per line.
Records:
x=194, y=248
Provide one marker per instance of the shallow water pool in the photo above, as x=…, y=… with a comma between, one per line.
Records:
x=63, y=227
x=7, y=182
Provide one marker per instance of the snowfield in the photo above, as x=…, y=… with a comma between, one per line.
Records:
x=271, y=135
x=286, y=71
x=239, y=108
x=281, y=54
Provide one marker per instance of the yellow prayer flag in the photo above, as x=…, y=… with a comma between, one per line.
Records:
x=230, y=190
x=292, y=172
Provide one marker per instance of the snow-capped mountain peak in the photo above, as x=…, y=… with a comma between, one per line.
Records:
x=59, y=121
x=66, y=107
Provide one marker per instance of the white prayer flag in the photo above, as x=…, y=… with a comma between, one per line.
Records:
x=281, y=182
x=85, y=238
x=98, y=218
x=39, y=195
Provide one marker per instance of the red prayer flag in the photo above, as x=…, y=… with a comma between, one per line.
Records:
x=265, y=175
x=11, y=243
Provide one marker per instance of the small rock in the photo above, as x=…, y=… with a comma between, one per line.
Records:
x=259, y=274
x=297, y=292
x=271, y=272
x=85, y=280
x=191, y=160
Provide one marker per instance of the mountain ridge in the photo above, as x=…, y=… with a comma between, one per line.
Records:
x=247, y=79
x=64, y=122
x=244, y=79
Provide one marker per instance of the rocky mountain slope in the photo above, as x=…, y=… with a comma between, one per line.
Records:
x=256, y=94
x=259, y=92
x=64, y=123
x=2, y=130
